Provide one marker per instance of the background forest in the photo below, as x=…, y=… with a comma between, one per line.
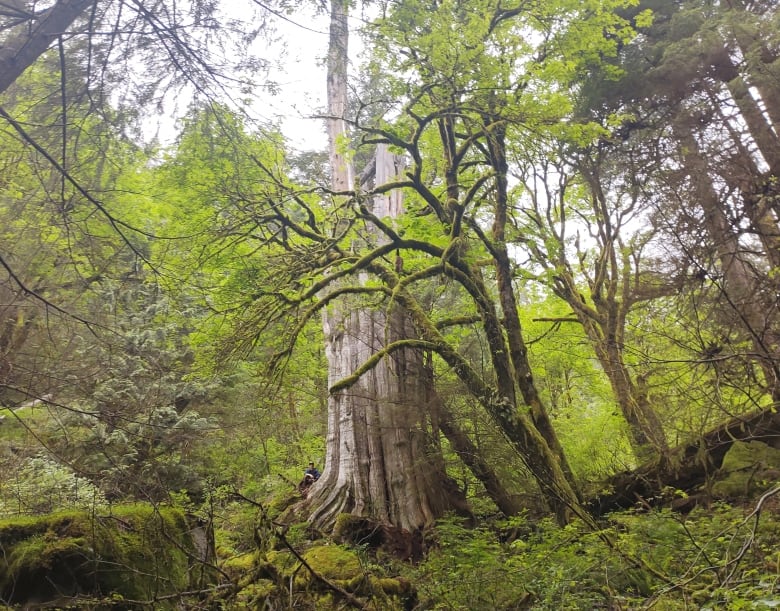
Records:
x=521, y=311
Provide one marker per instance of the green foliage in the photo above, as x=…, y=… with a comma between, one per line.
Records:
x=199, y=270
x=711, y=559
x=467, y=569
x=716, y=557
x=41, y=485
x=576, y=390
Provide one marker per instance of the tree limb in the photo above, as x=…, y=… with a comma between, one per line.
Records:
x=375, y=358
x=21, y=51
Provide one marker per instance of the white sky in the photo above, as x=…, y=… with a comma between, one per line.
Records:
x=300, y=76
x=302, y=81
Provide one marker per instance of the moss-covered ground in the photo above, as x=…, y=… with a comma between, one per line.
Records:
x=131, y=553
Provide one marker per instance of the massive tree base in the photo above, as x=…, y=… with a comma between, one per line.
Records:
x=690, y=466
x=399, y=542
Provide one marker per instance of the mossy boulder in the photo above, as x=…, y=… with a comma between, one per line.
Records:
x=283, y=562
x=332, y=562
x=238, y=566
x=135, y=552
x=264, y=579
x=342, y=567
x=748, y=469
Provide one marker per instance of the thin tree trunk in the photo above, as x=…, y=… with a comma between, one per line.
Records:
x=517, y=349
x=338, y=59
x=603, y=321
x=516, y=424
x=756, y=120
x=508, y=353
x=469, y=453
x=760, y=63
x=757, y=188
x=645, y=431
x=14, y=332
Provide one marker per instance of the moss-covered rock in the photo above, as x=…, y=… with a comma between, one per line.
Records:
x=283, y=562
x=254, y=595
x=237, y=566
x=332, y=562
x=748, y=468
x=342, y=567
x=269, y=578
x=136, y=552
x=376, y=588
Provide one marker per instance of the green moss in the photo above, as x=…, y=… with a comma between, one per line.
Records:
x=238, y=565
x=270, y=580
x=343, y=520
x=283, y=561
x=137, y=552
x=394, y=587
x=248, y=568
x=280, y=503
x=748, y=468
x=333, y=562
x=253, y=595
x=378, y=589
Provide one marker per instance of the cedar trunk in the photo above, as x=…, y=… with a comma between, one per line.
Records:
x=378, y=463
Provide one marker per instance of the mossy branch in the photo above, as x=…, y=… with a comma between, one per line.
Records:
x=372, y=362
x=457, y=321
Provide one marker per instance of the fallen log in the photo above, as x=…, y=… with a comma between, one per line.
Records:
x=689, y=466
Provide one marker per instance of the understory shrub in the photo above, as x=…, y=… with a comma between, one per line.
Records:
x=721, y=557
x=41, y=485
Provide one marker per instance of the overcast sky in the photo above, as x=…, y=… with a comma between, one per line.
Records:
x=297, y=67
x=302, y=76
x=302, y=80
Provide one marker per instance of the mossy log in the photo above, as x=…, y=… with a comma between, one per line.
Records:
x=690, y=465
x=135, y=553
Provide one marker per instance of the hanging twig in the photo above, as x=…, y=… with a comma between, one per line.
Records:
x=731, y=564
x=756, y=514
